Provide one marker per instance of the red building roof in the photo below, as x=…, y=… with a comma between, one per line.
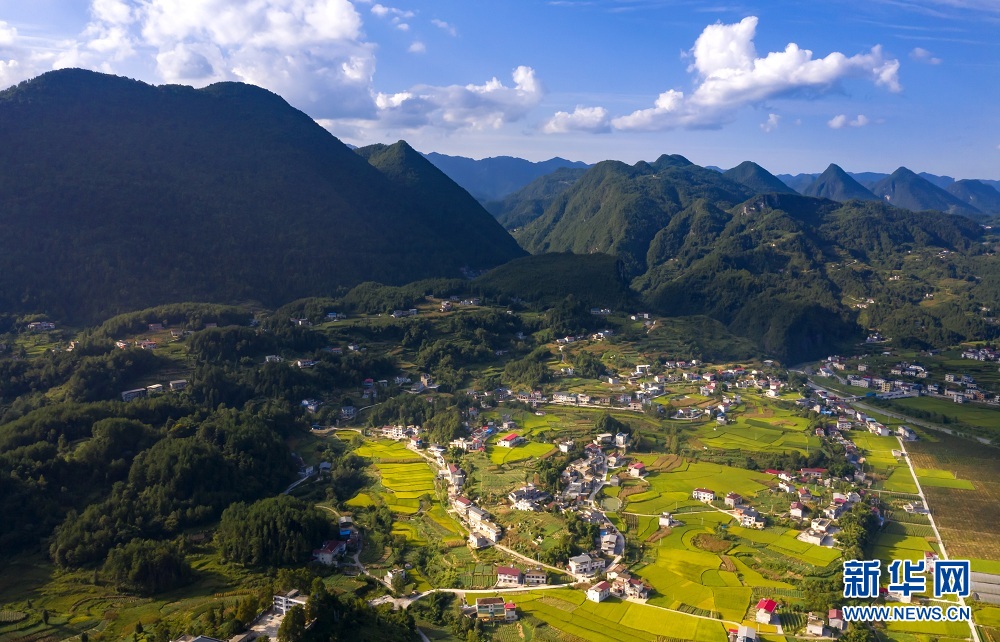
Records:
x=767, y=605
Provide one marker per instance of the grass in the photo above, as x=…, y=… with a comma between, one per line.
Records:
x=969, y=413
x=529, y=450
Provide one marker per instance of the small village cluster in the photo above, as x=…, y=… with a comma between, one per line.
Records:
x=959, y=388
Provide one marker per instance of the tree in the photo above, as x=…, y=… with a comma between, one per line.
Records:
x=293, y=627
x=398, y=583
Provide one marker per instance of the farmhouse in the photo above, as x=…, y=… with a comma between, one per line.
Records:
x=509, y=576
x=599, y=592
x=797, y=510
x=765, y=610
x=330, y=550
x=535, y=577
x=733, y=500
x=283, y=602
x=477, y=541
x=837, y=620
x=815, y=625
x=511, y=440
x=703, y=495
x=585, y=565
x=743, y=634
x=495, y=609
x=638, y=469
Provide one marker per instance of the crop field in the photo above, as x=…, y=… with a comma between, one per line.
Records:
x=386, y=451
x=686, y=576
x=964, y=517
x=877, y=451
x=667, y=489
x=942, y=479
x=890, y=546
x=759, y=425
x=968, y=413
x=569, y=612
x=529, y=450
x=901, y=481
x=783, y=541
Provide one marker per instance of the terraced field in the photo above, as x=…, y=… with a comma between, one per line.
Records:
x=667, y=490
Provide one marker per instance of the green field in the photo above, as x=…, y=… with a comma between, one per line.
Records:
x=942, y=479
x=529, y=450
x=667, y=489
x=569, y=612
x=760, y=425
x=967, y=413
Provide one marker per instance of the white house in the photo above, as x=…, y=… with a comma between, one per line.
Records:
x=509, y=576
x=765, y=610
x=703, y=495
x=599, y=592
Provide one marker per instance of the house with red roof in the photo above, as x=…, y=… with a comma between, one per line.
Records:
x=765, y=610
x=509, y=576
x=511, y=440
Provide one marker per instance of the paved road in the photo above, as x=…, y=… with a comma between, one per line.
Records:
x=944, y=553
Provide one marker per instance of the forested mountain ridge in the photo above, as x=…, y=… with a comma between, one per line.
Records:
x=772, y=267
x=529, y=202
x=117, y=195
x=903, y=188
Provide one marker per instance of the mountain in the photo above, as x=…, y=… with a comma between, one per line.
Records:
x=758, y=179
x=979, y=195
x=620, y=209
x=905, y=189
x=447, y=205
x=784, y=270
x=491, y=179
x=596, y=280
x=118, y=195
x=941, y=181
x=529, y=202
x=836, y=185
x=797, y=182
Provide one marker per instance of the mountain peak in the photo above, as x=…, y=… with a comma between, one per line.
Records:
x=761, y=181
x=837, y=185
x=904, y=188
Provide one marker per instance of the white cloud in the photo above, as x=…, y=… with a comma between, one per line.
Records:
x=771, y=123
x=583, y=119
x=402, y=26
x=417, y=47
x=730, y=75
x=8, y=34
x=441, y=24
x=486, y=106
x=842, y=120
x=922, y=55
x=383, y=11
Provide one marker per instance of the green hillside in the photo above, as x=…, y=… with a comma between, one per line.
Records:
x=619, y=209
x=905, y=189
x=594, y=279
x=756, y=178
x=977, y=194
x=528, y=203
x=835, y=184
x=118, y=195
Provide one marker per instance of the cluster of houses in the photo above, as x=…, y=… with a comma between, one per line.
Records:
x=41, y=326
x=897, y=387
x=621, y=584
x=334, y=549
x=483, y=531
x=157, y=388
x=528, y=498
x=512, y=577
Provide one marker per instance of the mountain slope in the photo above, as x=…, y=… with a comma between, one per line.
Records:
x=836, y=185
x=618, y=209
x=756, y=178
x=905, y=189
x=447, y=205
x=491, y=179
x=977, y=194
x=529, y=202
x=118, y=195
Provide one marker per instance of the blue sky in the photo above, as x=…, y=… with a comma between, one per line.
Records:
x=870, y=85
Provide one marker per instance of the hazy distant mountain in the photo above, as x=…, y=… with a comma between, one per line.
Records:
x=867, y=179
x=905, y=189
x=491, y=179
x=118, y=195
x=797, y=182
x=941, y=181
x=836, y=185
x=983, y=197
x=758, y=179
x=529, y=202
